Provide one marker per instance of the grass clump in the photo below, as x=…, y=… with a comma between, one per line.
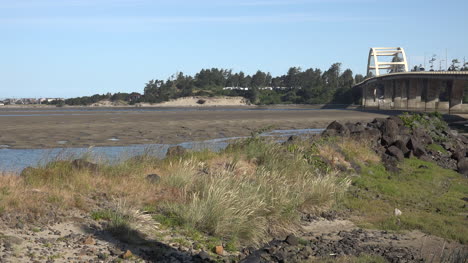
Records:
x=437, y=148
x=249, y=191
x=430, y=197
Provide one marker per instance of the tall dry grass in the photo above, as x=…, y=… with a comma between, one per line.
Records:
x=249, y=203
x=252, y=190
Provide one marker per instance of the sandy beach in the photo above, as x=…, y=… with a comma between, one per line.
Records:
x=77, y=128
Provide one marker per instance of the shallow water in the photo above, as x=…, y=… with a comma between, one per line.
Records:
x=15, y=160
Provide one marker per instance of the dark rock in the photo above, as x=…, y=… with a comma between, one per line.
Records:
x=204, y=255
x=176, y=151
x=397, y=120
x=387, y=140
x=390, y=128
x=81, y=164
x=400, y=144
x=422, y=136
x=390, y=163
x=415, y=146
x=459, y=154
x=396, y=152
x=463, y=166
x=153, y=178
x=252, y=259
x=292, y=240
x=355, y=127
x=376, y=123
x=368, y=134
x=335, y=128
x=291, y=140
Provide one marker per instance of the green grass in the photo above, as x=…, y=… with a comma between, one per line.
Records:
x=430, y=199
x=436, y=147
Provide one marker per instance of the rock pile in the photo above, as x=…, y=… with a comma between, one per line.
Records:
x=353, y=242
x=395, y=138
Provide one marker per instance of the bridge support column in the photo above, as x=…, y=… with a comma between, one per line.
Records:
x=456, y=95
x=432, y=94
x=369, y=96
x=414, y=94
x=400, y=95
x=388, y=95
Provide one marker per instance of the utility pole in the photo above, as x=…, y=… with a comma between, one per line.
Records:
x=446, y=66
x=424, y=60
x=440, y=65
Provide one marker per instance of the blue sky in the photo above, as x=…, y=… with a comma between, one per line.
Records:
x=67, y=48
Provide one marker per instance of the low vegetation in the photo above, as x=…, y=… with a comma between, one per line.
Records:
x=431, y=199
x=246, y=194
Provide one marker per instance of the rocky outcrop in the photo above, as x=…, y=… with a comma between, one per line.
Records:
x=429, y=140
x=353, y=242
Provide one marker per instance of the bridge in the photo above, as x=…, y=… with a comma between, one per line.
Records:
x=419, y=90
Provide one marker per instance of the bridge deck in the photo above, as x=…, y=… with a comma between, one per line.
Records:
x=442, y=75
x=428, y=90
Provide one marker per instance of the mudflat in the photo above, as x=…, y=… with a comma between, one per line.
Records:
x=20, y=128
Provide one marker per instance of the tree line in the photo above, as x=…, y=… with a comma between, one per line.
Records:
x=297, y=86
x=310, y=86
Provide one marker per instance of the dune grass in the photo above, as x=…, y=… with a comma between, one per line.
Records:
x=249, y=191
x=252, y=190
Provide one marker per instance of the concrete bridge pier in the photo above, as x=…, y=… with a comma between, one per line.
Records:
x=433, y=88
x=456, y=89
x=389, y=86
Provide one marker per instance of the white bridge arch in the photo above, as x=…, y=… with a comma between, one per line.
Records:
x=398, y=63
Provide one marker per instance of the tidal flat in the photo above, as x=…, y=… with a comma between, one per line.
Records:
x=23, y=128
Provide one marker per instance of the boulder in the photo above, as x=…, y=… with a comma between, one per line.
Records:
x=397, y=120
x=390, y=163
x=387, y=140
x=415, y=146
x=176, y=151
x=396, y=152
x=390, y=129
x=335, y=128
x=368, y=134
x=463, y=166
x=203, y=255
x=459, y=154
x=422, y=136
x=376, y=123
x=82, y=164
x=292, y=240
x=355, y=127
x=400, y=144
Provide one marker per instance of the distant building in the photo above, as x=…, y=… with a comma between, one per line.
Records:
x=134, y=96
